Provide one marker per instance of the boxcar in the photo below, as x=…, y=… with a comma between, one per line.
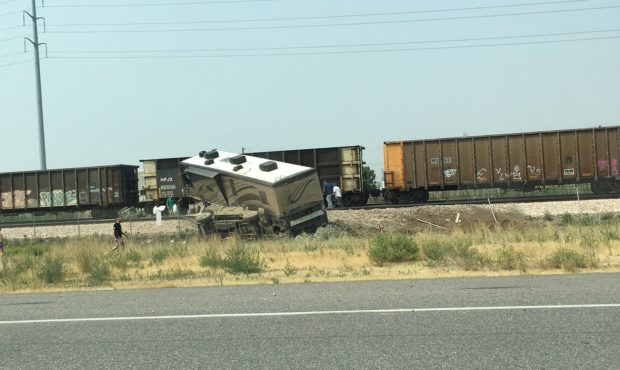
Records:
x=338, y=165
x=96, y=188
x=519, y=160
x=161, y=179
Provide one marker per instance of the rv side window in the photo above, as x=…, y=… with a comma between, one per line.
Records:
x=233, y=189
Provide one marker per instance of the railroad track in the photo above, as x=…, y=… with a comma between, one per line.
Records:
x=480, y=201
x=82, y=221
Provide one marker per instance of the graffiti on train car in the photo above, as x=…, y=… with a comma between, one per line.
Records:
x=605, y=165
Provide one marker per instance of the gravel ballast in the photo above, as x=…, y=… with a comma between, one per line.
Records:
x=371, y=219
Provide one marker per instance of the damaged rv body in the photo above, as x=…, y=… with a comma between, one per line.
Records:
x=253, y=196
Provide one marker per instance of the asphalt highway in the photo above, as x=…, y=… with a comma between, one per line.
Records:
x=562, y=321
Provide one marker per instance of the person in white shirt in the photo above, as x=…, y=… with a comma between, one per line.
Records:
x=337, y=196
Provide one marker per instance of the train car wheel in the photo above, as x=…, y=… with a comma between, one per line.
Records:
x=391, y=197
x=420, y=195
x=601, y=187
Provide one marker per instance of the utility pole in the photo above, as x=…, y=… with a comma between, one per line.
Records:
x=35, y=43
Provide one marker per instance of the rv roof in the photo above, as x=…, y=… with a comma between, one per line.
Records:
x=249, y=169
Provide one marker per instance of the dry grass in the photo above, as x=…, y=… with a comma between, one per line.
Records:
x=333, y=254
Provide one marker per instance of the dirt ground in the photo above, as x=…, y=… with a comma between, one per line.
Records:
x=415, y=219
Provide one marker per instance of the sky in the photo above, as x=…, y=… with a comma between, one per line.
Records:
x=125, y=80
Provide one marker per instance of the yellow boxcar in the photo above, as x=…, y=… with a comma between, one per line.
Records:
x=523, y=161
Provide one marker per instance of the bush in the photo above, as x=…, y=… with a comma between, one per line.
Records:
x=437, y=250
x=160, y=256
x=468, y=257
x=392, y=248
x=567, y=259
x=85, y=258
x=51, y=270
x=239, y=259
x=289, y=269
x=100, y=273
x=211, y=258
x=568, y=219
x=510, y=259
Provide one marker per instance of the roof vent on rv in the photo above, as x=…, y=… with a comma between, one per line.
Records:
x=208, y=162
x=237, y=167
x=268, y=166
x=211, y=154
x=238, y=159
x=202, y=154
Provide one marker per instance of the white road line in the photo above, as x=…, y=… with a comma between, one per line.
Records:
x=311, y=313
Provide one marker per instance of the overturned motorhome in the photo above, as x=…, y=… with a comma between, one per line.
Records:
x=253, y=196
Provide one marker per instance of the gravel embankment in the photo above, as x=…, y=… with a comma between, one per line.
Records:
x=372, y=219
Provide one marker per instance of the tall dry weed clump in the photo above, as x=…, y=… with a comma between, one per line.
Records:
x=386, y=247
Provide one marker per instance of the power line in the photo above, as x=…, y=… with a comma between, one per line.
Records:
x=11, y=54
x=340, y=45
x=342, y=24
x=10, y=28
x=14, y=63
x=155, y=4
x=322, y=17
x=12, y=38
x=10, y=13
x=342, y=51
x=7, y=1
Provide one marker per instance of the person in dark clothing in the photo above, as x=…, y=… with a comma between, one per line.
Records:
x=328, y=190
x=118, y=234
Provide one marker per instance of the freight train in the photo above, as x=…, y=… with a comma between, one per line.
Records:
x=522, y=161
x=412, y=169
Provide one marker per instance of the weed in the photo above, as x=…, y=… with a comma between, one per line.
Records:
x=159, y=256
x=240, y=259
x=566, y=259
x=211, y=258
x=173, y=274
x=548, y=216
x=607, y=216
x=567, y=219
x=51, y=270
x=133, y=256
x=436, y=249
x=392, y=248
x=85, y=258
x=468, y=257
x=119, y=261
x=289, y=269
x=510, y=259
x=100, y=273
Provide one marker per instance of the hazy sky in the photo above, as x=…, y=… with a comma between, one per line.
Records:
x=126, y=80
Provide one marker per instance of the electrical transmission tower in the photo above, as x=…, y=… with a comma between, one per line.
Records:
x=35, y=43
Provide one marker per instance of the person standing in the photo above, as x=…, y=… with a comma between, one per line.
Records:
x=1, y=243
x=328, y=191
x=169, y=204
x=338, y=196
x=118, y=234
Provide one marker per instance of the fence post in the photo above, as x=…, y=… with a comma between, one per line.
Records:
x=34, y=227
x=78, y=225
